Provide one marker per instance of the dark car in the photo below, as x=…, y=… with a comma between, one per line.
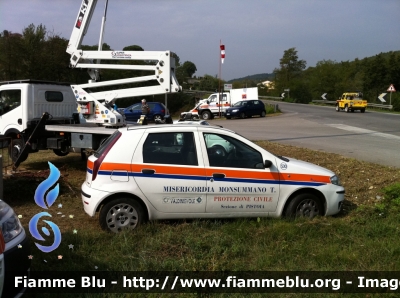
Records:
x=16, y=246
x=246, y=108
x=157, y=113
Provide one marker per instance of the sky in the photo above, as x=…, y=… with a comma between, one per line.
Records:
x=255, y=32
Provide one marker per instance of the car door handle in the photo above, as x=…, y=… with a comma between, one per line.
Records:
x=148, y=171
x=218, y=175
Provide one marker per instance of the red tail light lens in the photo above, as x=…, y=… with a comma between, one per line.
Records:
x=103, y=151
x=163, y=111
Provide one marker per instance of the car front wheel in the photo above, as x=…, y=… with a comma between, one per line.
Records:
x=304, y=205
x=242, y=115
x=206, y=115
x=337, y=108
x=121, y=213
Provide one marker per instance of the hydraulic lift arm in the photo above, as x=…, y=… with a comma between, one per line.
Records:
x=97, y=106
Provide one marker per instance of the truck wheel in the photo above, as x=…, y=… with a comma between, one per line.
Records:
x=362, y=110
x=337, y=108
x=15, y=149
x=304, y=205
x=346, y=109
x=206, y=115
x=121, y=213
x=60, y=152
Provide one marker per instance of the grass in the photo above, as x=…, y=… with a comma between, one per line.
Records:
x=365, y=236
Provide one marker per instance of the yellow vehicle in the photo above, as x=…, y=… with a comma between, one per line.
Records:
x=351, y=101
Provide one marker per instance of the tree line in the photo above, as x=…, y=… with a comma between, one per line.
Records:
x=41, y=55
x=372, y=76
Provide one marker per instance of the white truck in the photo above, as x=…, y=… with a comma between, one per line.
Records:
x=213, y=106
x=49, y=115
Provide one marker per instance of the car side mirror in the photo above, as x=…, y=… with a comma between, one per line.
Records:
x=267, y=164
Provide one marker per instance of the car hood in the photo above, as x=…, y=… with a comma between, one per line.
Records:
x=291, y=165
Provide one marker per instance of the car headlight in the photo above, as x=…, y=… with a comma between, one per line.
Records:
x=9, y=223
x=335, y=180
x=235, y=110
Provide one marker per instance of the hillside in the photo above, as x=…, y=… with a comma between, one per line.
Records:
x=257, y=77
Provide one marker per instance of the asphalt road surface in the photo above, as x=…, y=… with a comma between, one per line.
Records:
x=369, y=136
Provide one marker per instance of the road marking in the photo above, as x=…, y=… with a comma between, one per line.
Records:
x=364, y=131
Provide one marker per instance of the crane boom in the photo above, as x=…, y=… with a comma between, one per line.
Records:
x=97, y=107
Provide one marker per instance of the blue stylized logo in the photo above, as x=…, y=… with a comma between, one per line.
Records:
x=35, y=233
x=51, y=197
x=45, y=186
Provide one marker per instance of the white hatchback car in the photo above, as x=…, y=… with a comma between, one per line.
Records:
x=199, y=171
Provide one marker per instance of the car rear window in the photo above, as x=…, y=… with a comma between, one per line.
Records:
x=170, y=148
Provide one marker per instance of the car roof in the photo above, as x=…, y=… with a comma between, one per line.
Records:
x=167, y=127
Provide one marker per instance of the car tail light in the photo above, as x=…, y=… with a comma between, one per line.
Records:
x=2, y=243
x=103, y=151
x=162, y=111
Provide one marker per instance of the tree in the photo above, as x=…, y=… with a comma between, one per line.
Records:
x=133, y=48
x=33, y=41
x=290, y=67
x=375, y=76
x=10, y=52
x=209, y=83
x=185, y=71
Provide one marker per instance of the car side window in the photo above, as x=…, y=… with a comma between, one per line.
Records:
x=225, y=151
x=135, y=107
x=170, y=148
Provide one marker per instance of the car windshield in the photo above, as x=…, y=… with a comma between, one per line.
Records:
x=240, y=104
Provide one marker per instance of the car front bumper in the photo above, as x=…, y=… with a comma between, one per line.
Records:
x=17, y=263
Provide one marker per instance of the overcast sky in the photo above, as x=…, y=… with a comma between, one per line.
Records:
x=255, y=32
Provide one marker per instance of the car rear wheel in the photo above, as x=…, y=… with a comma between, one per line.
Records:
x=120, y=214
x=346, y=109
x=304, y=205
x=242, y=115
x=262, y=114
x=228, y=117
x=362, y=110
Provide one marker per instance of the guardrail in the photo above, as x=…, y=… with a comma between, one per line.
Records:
x=373, y=105
x=271, y=97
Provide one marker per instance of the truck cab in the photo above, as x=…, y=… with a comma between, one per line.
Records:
x=351, y=101
x=22, y=105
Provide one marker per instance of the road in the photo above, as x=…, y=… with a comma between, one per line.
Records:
x=369, y=136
